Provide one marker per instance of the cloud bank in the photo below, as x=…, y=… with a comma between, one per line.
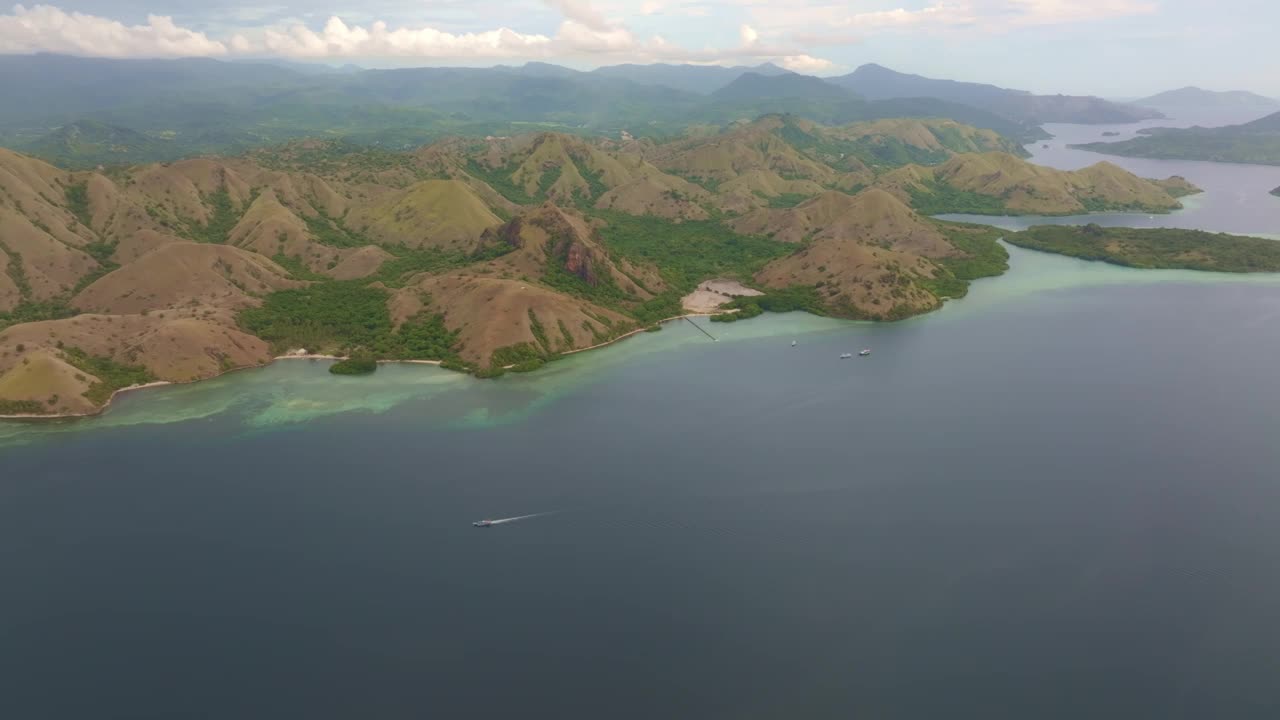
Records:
x=584, y=32
x=44, y=28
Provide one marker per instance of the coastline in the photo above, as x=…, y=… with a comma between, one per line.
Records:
x=309, y=356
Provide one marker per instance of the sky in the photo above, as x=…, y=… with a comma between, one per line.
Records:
x=1113, y=48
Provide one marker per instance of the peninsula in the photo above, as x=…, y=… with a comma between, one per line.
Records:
x=1151, y=248
x=1256, y=142
x=495, y=253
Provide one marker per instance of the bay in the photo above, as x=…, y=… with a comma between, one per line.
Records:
x=1055, y=498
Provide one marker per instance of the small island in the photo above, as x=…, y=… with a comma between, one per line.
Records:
x=1155, y=248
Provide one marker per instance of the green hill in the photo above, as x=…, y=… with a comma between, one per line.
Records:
x=1256, y=142
x=1171, y=248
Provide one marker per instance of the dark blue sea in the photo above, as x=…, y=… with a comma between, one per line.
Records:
x=1056, y=498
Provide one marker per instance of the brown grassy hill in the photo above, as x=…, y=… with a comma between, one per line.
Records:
x=492, y=313
x=433, y=213
x=175, y=345
x=44, y=378
x=571, y=170
x=867, y=254
x=936, y=135
x=50, y=265
x=359, y=263
x=10, y=293
x=547, y=289
x=184, y=274
x=753, y=147
x=675, y=199
x=41, y=239
x=872, y=217
x=1021, y=187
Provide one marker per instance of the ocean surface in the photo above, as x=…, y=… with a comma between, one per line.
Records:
x=1056, y=498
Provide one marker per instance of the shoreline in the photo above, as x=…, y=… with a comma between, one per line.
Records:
x=308, y=356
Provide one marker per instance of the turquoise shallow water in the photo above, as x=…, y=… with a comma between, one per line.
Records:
x=293, y=392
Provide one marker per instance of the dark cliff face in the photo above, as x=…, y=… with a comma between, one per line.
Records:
x=578, y=261
x=564, y=247
x=506, y=235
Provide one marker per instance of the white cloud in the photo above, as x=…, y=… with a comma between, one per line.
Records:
x=943, y=13
x=583, y=34
x=807, y=19
x=574, y=37
x=582, y=13
x=1053, y=12
x=337, y=39
x=44, y=28
x=805, y=64
x=670, y=7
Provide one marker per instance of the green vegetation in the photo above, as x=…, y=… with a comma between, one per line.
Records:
x=984, y=257
x=222, y=220
x=500, y=179
x=21, y=407
x=296, y=267
x=689, y=252
x=792, y=299
x=349, y=317
x=1155, y=247
x=882, y=150
x=787, y=200
x=112, y=375
x=410, y=261
x=27, y=309
x=938, y=198
x=355, y=365
x=36, y=311
x=330, y=231
x=332, y=314
x=595, y=182
x=78, y=203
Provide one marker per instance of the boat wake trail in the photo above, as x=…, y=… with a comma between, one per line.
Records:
x=520, y=517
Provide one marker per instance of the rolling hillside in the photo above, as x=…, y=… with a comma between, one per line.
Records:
x=493, y=253
x=999, y=184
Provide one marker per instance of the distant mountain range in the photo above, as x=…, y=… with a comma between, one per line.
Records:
x=876, y=82
x=790, y=86
x=82, y=112
x=702, y=79
x=1256, y=142
x=1194, y=97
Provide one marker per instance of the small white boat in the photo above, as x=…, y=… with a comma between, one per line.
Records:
x=846, y=356
x=865, y=353
x=793, y=343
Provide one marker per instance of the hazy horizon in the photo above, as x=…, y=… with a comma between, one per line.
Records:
x=1111, y=48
